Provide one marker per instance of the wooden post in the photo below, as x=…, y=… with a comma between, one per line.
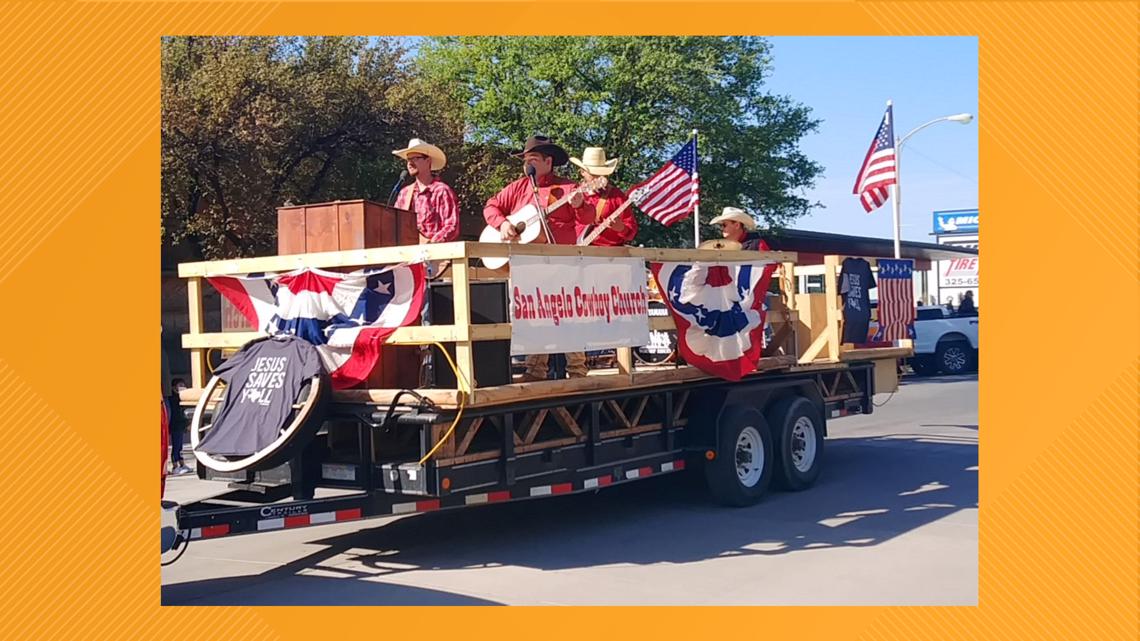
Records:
x=831, y=289
x=788, y=284
x=464, y=352
x=198, y=355
x=625, y=362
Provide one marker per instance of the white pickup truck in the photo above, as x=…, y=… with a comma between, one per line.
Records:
x=944, y=342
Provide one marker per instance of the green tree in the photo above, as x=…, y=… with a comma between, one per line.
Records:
x=249, y=123
x=639, y=97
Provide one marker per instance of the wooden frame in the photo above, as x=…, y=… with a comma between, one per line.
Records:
x=464, y=270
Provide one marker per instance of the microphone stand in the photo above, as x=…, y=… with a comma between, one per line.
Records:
x=538, y=204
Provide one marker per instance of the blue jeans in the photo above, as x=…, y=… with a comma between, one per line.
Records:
x=177, y=433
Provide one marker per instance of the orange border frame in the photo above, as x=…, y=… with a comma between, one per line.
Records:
x=79, y=192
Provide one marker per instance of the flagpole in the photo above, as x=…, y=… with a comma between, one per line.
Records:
x=895, y=190
x=697, y=207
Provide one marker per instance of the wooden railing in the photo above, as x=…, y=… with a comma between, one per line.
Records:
x=464, y=270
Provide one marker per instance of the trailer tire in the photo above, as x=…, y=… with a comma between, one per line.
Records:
x=798, y=430
x=740, y=474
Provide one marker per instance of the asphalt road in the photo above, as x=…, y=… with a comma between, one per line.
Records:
x=892, y=520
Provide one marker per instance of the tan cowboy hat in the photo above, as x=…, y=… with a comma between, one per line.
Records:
x=594, y=161
x=737, y=214
x=417, y=146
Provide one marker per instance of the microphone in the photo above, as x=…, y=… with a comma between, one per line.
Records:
x=531, y=173
x=396, y=187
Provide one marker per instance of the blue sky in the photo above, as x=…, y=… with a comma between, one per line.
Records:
x=847, y=81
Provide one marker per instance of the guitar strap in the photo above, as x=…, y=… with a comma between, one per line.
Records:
x=599, y=209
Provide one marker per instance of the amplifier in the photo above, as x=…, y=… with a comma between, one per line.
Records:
x=488, y=306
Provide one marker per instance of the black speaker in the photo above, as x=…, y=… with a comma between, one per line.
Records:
x=488, y=306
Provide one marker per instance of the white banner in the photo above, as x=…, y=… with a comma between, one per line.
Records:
x=577, y=304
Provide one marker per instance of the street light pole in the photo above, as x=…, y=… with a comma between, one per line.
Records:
x=896, y=194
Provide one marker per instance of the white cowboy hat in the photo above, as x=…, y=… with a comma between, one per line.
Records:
x=594, y=161
x=737, y=214
x=417, y=146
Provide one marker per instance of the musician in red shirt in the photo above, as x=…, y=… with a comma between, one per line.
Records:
x=437, y=210
x=543, y=155
x=603, y=204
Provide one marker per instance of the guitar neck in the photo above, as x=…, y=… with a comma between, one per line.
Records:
x=602, y=226
x=565, y=199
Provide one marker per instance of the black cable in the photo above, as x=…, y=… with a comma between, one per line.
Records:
x=884, y=402
x=186, y=544
x=425, y=403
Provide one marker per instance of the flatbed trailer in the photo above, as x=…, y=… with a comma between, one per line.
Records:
x=383, y=452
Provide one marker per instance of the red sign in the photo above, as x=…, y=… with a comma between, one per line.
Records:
x=960, y=272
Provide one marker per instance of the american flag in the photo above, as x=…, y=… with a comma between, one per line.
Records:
x=671, y=194
x=879, y=167
x=896, y=300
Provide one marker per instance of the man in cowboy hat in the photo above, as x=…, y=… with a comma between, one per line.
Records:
x=541, y=153
x=737, y=225
x=437, y=210
x=602, y=204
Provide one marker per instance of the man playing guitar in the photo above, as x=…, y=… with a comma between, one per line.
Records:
x=605, y=203
x=541, y=154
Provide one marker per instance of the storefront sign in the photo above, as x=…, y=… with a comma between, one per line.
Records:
x=576, y=304
x=960, y=272
x=956, y=221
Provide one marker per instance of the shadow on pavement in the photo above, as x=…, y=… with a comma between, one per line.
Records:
x=912, y=379
x=872, y=490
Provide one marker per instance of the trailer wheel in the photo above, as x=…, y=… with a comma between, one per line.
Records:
x=798, y=430
x=741, y=472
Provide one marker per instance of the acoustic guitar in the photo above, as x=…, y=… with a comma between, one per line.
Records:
x=529, y=222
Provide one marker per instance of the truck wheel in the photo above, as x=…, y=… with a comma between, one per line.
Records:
x=955, y=358
x=798, y=430
x=742, y=470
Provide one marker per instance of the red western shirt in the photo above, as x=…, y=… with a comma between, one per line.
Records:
x=603, y=204
x=437, y=211
x=563, y=221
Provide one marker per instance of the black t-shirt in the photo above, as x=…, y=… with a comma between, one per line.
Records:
x=263, y=381
x=855, y=284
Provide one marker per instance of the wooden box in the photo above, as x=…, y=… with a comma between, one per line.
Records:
x=355, y=224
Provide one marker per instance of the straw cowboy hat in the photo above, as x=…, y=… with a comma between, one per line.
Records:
x=736, y=214
x=545, y=146
x=417, y=146
x=594, y=161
